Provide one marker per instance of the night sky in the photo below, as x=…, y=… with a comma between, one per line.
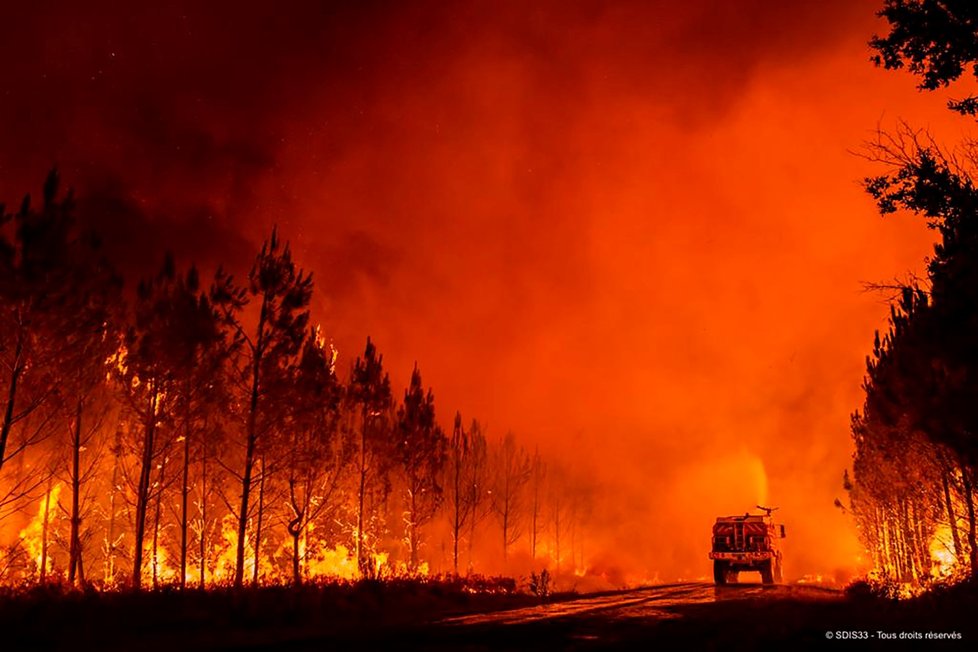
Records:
x=631, y=232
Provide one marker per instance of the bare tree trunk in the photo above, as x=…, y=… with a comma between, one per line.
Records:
x=109, y=567
x=471, y=541
x=252, y=436
x=74, y=544
x=413, y=525
x=296, y=575
x=906, y=534
x=951, y=518
x=910, y=520
x=156, y=523
x=142, y=491
x=246, y=492
x=886, y=547
x=970, y=504
x=557, y=536
x=921, y=541
x=456, y=516
x=295, y=526
x=203, y=520
x=534, y=516
x=258, y=525
x=361, y=557
x=305, y=551
x=8, y=412
x=44, y=535
x=184, y=493
x=506, y=535
x=81, y=572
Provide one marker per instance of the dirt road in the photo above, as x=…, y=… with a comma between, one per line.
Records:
x=695, y=614
x=655, y=602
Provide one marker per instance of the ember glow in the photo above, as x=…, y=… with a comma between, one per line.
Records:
x=631, y=234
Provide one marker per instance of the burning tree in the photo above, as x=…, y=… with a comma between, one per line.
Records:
x=318, y=446
x=90, y=337
x=58, y=320
x=370, y=403
x=282, y=293
x=477, y=484
x=421, y=454
x=201, y=349
x=512, y=470
x=36, y=249
x=207, y=431
x=464, y=466
x=914, y=470
x=538, y=474
x=143, y=367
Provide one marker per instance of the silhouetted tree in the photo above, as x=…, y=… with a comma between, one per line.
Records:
x=35, y=246
x=201, y=349
x=318, y=449
x=916, y=444
x=421, y=454
x=281, y=292
x=144, y=368
x=478, y=482
x=370, y=398
x=538, y=473
x=511, y=470
x=937, y=41
x=154, y=414
x=90, y=317
x=460, y=476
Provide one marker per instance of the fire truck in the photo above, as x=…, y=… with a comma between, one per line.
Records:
x=751, y=542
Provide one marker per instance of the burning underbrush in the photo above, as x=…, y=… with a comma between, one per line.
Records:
x=888, y=587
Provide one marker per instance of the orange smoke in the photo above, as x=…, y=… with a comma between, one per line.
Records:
x=633, y=234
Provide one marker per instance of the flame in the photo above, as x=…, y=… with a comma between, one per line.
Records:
x=941, y=551
x=117, y=361
x=166, y=572
x=338, y=562
x=32, y=537
x=226, y=550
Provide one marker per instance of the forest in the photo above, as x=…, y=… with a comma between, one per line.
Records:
x=912, y=490
x=183, y=431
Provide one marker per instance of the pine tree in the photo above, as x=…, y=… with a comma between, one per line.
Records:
x=281, y=292
x=421, y=453
x=511, y=471
x=318, y=449
x=370, y=400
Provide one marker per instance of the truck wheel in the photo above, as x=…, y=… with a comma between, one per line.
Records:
x=767, y=575
x=778, y=579
x=719, y=573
